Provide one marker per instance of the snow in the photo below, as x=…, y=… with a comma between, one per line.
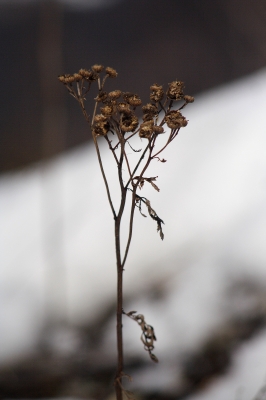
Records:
x=57, y=246
x=246, y=377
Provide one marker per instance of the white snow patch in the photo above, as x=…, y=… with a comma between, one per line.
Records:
x=57, y=247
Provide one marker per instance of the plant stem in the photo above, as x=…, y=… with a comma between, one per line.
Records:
x=130, y=225
x=119, y=309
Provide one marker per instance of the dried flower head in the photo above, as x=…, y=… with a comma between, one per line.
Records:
x=132, y=99
x=150, y=109
x=66, y=79
x=158, y=129
x=99, y=118
x=115, y=94
x=124, y=108
x=77, y=77
x=157, y=92
x=175, y=90
x=97, y=68
x=147, y=117
x=88, y=75
x=62, y=78
x=155, y=87
x=102, y=96
x=146, y=129
x=111, y=72
x=188, y=99
x=129, y=123
x=174, y=120
x=84, y=72
x=101, y=125
x=107, y=110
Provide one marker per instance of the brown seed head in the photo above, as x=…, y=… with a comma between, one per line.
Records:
x=124, y=108
x=102, y=96
x=147, y=117
x=175, y=120
x=70, y=79
x=158, y=129
x=93, y=76
x=100, y=130
x=175, y=90
x=88, y=75
x=77, y=77
x=188, y=99
x=97, y=68
x=107, y=110
x=115, y=94
x=150, y=109
x=100, y=118
x=84, y=72
x=132, y=99
x=111, y=72
x=62, y=78
x=146, y=129
x=127, y=95
x=129, y=123
x=101, y=125
x=157, y=92
x=66, y=79
x=155, y=87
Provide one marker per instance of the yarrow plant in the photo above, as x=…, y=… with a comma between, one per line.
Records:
x=114, y=120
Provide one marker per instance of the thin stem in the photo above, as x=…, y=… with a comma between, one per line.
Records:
x=119, y=310
x=132, y=211
x=98, y=154
x=81, y=102
x=111, y=148
x=136, y=167
x=103, y=82
x=133, y=203
x=94, y=112
x=103, y=175
x=168, y=141
x=128, y=166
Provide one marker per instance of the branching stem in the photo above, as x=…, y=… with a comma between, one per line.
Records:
x=119, y=118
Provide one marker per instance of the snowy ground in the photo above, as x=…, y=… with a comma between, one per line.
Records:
x=57, y=254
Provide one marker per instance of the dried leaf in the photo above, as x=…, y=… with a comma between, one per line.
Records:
x=136, y=151
x=151, y=211
x=131, y=313
x=155, y=186
x=154, y=358
x=147, y=336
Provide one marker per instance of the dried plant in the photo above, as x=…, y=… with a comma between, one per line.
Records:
x=117, y=123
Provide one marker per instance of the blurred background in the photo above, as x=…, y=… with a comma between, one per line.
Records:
x=206, y=44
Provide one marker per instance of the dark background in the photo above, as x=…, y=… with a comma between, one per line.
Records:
x=204, y=43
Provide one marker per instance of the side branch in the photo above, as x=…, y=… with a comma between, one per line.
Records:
x=132, y=211
x=104, y=177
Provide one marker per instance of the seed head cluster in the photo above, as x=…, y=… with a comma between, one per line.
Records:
x=118, y=109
